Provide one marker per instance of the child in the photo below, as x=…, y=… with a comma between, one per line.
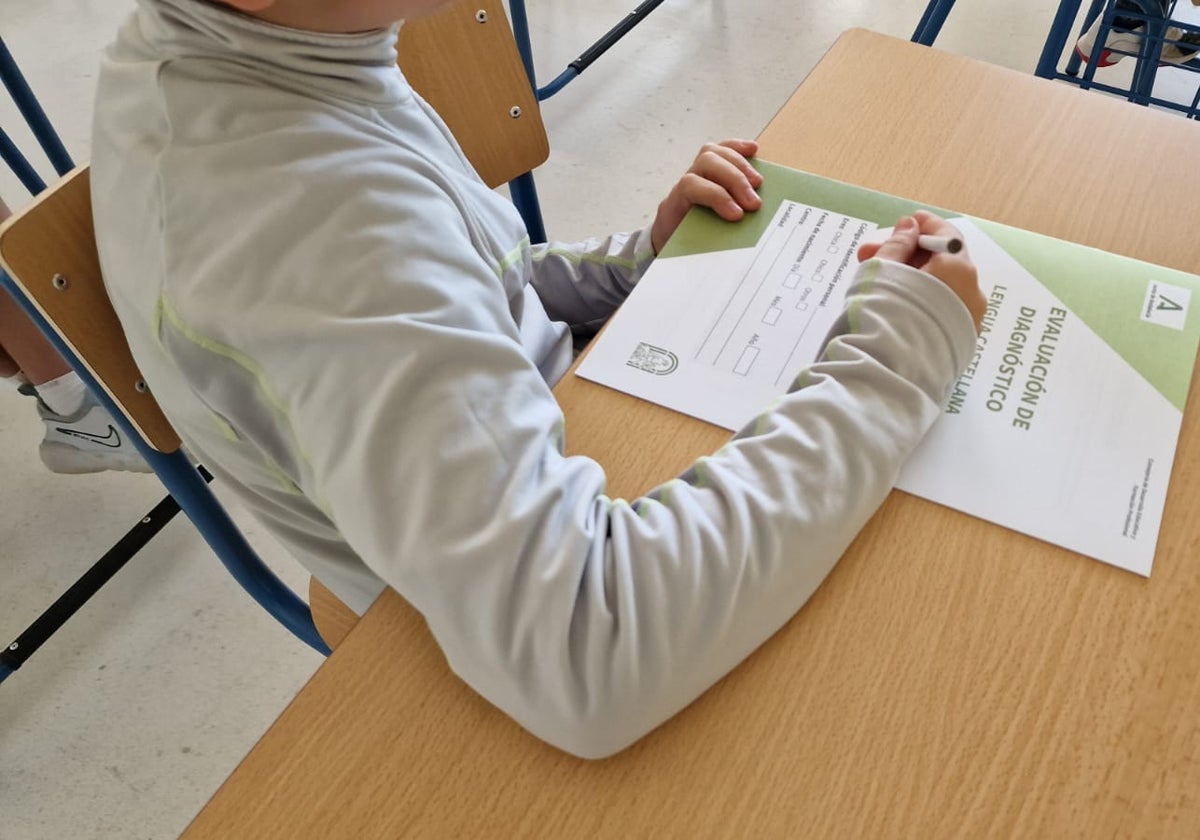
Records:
x=80, y=436
x=355, y=334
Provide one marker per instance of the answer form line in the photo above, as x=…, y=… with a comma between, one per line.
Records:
x=752, y=297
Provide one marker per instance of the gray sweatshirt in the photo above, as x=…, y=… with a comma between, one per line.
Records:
x=356, y=336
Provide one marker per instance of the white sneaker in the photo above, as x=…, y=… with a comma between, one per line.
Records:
x=1125, y=37
x=1117, y=45
x=1185, y=46
x=86, y=442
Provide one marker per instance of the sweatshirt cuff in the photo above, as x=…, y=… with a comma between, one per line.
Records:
x=644, y=252
x=941, y=303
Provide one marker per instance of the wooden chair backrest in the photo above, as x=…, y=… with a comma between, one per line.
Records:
x=49, y=249
x=464, y=61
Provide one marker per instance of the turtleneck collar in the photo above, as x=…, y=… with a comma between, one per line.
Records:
x=360, y=67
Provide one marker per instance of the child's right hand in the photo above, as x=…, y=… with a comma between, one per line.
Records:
x=955, y=270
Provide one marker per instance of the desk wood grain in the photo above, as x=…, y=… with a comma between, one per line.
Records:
x=950, y=678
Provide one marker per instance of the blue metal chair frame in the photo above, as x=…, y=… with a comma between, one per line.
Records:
x=522, y=188
x=520, y=24
x=931, y=21
x=1141, y=86
x=936, y=12
x=187, y=485
x=1154, y=38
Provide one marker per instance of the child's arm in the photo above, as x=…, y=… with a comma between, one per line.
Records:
x=583, y=283
x=592, y=620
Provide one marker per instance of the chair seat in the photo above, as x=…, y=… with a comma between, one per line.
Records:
x=333, y=618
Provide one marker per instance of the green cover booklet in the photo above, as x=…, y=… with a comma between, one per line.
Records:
x=1065, y=423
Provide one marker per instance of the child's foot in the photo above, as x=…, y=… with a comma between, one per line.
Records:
x=1185, y=49
x=1117, y=45
x=1124, y=37
x=86, y=442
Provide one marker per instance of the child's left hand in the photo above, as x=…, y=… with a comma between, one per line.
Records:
x=720, y=178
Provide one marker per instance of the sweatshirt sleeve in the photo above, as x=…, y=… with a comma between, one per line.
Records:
x=431, y=442
x=583, y=283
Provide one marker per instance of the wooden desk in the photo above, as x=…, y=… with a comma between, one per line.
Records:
x=950, y=679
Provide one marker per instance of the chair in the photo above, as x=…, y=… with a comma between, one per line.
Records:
x=1140, y=88
x=27, y=251
x=49, y=251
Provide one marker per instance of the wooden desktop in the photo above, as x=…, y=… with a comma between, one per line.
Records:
x=950, y=678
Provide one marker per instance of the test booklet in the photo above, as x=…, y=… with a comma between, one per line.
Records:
x=1065, y=422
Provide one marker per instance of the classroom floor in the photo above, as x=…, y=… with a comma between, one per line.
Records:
x=126, y=721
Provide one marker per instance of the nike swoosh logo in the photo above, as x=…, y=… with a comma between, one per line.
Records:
x=112, y=439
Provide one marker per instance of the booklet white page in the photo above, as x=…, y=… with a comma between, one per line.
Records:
x=724, y=333
x=1050, y=431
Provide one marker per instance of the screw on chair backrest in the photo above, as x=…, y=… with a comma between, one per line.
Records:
x=464, y=62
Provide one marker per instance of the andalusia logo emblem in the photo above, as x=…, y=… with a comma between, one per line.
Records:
x=653, y=359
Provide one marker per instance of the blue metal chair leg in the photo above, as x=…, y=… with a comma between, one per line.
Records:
x=227, y=542
x=19, y=165
x=1060, y=30
x=1107, y=14
x=919, y=32
x=931, y=21
x=28, y=105
x=1074, y=60
x=520, y=25
x=525, y=197
x=1148, y=56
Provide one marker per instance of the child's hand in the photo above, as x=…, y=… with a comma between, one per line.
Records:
x=955, y=270
x=720, y=178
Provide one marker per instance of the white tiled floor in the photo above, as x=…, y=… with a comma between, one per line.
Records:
x=129, y=718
